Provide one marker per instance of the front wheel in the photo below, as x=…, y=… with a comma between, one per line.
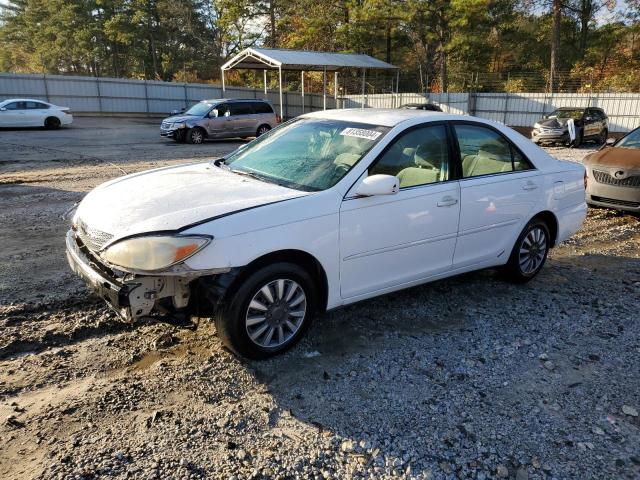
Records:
x=195, y=136
x=269, y=312
x=179, y=136
x=529, y=252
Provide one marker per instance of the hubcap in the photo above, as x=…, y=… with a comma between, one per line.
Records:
x=196, y=137
x=532, y=251
x=262, y=131
x=276, y=312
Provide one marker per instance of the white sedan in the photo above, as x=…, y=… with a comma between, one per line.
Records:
x=328, y=209
x=25, y=112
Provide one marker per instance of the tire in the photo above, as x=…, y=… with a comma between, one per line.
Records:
x=603, y=137
x=180, y=136
x=262, y=129
x=247, y=332
x=52, y=123
x=195, y=136
x=524, y=262
x=578, y=141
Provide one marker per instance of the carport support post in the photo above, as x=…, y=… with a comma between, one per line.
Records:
x=397, y=88
x=264, y=72
x=223, y=89
x=302, y=91
x=335, y=89
x=280, y=83
x=364, y=76
x=324, y=89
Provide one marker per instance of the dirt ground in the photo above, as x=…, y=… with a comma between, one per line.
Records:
x=468, y=377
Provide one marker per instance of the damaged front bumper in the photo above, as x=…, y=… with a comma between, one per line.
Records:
x=131, y=296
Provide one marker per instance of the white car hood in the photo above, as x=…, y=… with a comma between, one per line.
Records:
x=172, y=198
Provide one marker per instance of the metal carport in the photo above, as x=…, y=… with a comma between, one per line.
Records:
x=304, y=60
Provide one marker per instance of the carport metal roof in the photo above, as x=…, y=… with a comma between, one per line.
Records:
x=258, y=58
x=305, y=60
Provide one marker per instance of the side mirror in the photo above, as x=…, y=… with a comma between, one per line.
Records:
x=610, y=142
x=378, y=185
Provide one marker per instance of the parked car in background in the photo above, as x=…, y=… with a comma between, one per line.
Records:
x=331, y=208
x=590, y=124
x=614, y=174
x=26, y=112
x=421, y=106
x=221, y=118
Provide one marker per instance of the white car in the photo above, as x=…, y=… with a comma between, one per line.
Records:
x=25, y=112
x=328, y=209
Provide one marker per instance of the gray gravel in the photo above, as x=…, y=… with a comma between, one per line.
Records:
x=469, y=377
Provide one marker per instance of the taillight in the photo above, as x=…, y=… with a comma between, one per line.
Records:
x=278, y=118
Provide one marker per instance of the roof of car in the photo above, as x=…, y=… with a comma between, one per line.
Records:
x=223, y=100
x=24, y=100
x=380, y=116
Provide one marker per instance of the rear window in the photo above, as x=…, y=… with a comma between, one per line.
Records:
x=262, y=107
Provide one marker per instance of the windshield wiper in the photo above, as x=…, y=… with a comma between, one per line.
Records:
x=250, y=174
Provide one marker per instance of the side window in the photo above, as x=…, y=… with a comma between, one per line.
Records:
x=417, y=157
x=483, y=151
x=16, y=106
x=240, y=108
x=36, y=106
x=262, y=107
x=520, y=162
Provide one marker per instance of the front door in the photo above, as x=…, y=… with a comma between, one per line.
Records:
x=14, y=115
x=389, y=241
x=499, y=189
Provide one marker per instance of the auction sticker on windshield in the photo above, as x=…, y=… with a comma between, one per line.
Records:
x=360, y=133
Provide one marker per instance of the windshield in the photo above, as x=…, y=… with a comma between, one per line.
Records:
x=308, y=154
x=199, y=109
x=575, y=114
x=632, y=140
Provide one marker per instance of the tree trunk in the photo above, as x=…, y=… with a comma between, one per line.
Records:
x=585, y=17
x=555, y=46
x=272, y=20
x=388, y=39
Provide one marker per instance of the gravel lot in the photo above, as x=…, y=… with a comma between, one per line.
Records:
x=469, y=377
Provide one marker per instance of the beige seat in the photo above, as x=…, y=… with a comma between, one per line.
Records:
x=484, y=163
x=429, y=159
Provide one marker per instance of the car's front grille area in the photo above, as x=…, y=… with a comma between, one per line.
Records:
x=604, y=177
x=615, y=201
x=92, y=238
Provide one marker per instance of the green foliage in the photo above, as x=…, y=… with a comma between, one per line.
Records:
x=439, y=44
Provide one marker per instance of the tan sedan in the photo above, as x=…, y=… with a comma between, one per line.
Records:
x=614, y=174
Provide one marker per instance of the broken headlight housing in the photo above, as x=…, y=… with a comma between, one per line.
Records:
x=152, y=253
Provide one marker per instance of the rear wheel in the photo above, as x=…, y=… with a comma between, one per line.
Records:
x=269, y=312
x=52, y=123
x=529, y=252
x=195, y=135
x=262, y=129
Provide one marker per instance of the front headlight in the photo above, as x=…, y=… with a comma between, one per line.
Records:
x=180, y=125
x=153, y=252
x=536, y=125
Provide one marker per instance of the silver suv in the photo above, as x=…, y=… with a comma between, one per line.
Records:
x=221, y=118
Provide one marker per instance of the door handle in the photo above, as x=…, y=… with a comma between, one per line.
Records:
x=447, y=202
x=529, y=186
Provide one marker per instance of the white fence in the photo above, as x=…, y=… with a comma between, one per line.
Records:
x=514, y=109
x=116, y=95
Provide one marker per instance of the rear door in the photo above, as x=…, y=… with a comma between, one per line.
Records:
x=242, y=119
x=37, y=113
x=499, y=188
